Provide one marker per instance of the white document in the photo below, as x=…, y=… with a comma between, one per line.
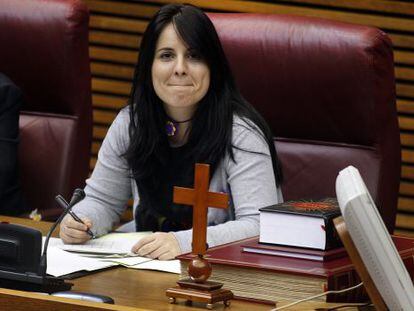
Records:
x=172, y=266
x=60, y=262
x=112, y=243
x=110, y=250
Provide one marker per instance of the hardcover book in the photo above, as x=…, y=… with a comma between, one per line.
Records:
x=254, y=246
x=272, y=278
x=303, y=223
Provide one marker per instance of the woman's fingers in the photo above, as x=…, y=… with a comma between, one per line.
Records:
x=159, y=245
x=74, y=232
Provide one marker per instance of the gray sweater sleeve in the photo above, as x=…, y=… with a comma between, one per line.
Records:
x=109, y=187
x=252, y=186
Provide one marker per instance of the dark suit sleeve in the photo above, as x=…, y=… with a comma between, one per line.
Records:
x=11, y=201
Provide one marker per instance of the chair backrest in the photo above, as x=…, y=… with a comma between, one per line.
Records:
x=44, y=50
x=327, y=90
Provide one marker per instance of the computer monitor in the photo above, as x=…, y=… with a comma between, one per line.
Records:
x=373, y=242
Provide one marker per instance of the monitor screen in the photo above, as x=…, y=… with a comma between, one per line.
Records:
x=373, y=242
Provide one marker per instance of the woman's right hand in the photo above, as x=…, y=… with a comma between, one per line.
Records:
x=74, y=232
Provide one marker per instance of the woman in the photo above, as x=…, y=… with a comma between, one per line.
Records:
x=184, y=108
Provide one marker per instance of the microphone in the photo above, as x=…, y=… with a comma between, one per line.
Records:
x=22, y=263
x=78, y=195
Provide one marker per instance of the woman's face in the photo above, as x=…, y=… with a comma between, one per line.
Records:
x=179, y=76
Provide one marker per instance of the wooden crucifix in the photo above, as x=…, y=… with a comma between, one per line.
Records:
x=197, y=288
x=201, y=199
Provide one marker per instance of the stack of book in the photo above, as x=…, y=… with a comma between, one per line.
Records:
x=301, y=223
x=268, y=278
x=297, y=255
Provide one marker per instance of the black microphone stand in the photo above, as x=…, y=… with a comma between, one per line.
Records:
x=20, y=268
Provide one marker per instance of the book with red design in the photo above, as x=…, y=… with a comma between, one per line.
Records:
x=273, y=278
x=305, y=223
x=254, y=246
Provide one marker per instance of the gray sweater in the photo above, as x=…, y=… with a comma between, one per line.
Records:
x=250, y=183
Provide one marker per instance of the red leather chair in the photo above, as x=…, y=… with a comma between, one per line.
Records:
x=327, y=90
x=44, y=50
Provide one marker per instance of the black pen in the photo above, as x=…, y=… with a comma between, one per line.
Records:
x=62, y=202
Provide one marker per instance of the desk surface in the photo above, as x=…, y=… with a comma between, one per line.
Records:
x=144, y=289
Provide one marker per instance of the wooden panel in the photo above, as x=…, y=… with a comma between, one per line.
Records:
x=384, y=21
x=406, y=123
x=406, y=204
x=406, y=106
x=405, y=220
x=406, y=188
x=404, y=57
x=115, y=39
x=407, y=139
x=128, y=9
x=407, y=171
x=400, y=7
x=109, y=101
x=111, y=86
x=117, y=23
x=117, y=27
x=113, y=55
x=407, y=155
x=405, y=90
x=99, y=131
x=103, y=117
x=405, y=73
x=402, y=41
x=404, y=232
x=113, y=71
x=95, y=147
x=92, y=162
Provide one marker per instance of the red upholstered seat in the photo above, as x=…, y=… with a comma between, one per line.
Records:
x=327, y=90
x=44, y=50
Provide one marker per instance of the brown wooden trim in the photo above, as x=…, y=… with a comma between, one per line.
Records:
x=406, y=188
x=118, y=7
x=386, y=22
x=406, y=106
x=112, y=71
x=405, y=90
x=117, y=23
x=405, y=220
x=109, y=101
x=407, y=172
x=115, y=39
x=13, y=300
x=377, y=5
x=406, y=204
x=111, y=86
x=113, y=55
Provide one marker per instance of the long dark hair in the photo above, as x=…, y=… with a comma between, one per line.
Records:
x=210, y=136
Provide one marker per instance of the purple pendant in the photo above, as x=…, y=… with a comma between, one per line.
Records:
x=171, y=128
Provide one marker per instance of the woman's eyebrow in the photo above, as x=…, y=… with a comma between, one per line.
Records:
x=164, y=49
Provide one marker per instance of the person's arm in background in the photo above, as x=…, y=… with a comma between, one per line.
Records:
x=11, y=99
x=107, y=190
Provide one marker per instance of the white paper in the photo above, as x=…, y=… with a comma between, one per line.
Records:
x=60, y=262
x=110, y=250
x=112, y=243
x=127, y=261
x=172, y=266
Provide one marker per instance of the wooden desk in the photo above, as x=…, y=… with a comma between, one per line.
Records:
x=137, y=288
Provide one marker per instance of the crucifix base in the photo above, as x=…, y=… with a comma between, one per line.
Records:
x=207, y=292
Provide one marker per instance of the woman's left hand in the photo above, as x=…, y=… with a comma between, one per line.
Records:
x=159, y=245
